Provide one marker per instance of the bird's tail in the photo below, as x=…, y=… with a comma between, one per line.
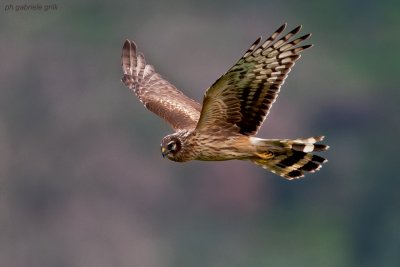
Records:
x=289, y=158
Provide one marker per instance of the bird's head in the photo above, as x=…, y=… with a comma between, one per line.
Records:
x=170, y=146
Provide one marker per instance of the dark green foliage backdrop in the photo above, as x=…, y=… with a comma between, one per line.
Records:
x=82, y=181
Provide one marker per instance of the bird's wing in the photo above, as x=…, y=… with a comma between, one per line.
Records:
x=157, y=94
x=241, y=99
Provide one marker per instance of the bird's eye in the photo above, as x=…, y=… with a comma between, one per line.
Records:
x=171, y=146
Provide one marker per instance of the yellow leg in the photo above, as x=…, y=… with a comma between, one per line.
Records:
x=265, y=155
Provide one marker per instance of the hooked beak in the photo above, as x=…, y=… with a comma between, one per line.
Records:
x=163, y=152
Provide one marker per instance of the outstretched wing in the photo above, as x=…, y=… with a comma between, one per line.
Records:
x=241, y=99
x=157, y=94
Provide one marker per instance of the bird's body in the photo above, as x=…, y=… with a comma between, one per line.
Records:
x=233, y=109
x=230, y=147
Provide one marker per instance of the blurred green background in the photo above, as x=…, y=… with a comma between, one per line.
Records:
x=82, y=180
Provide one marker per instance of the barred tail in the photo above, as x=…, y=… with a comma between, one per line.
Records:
x=289, y=158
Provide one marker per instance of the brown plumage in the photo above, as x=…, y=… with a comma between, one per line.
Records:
x=233, y=109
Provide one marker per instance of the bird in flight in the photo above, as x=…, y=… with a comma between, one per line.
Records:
x=233, y=109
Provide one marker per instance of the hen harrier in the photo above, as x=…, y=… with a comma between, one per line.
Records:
x=233, y=109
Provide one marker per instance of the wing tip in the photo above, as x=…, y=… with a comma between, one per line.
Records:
x=304, y=47
x=282, y=27
x=128, y=44
x=298, y=28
